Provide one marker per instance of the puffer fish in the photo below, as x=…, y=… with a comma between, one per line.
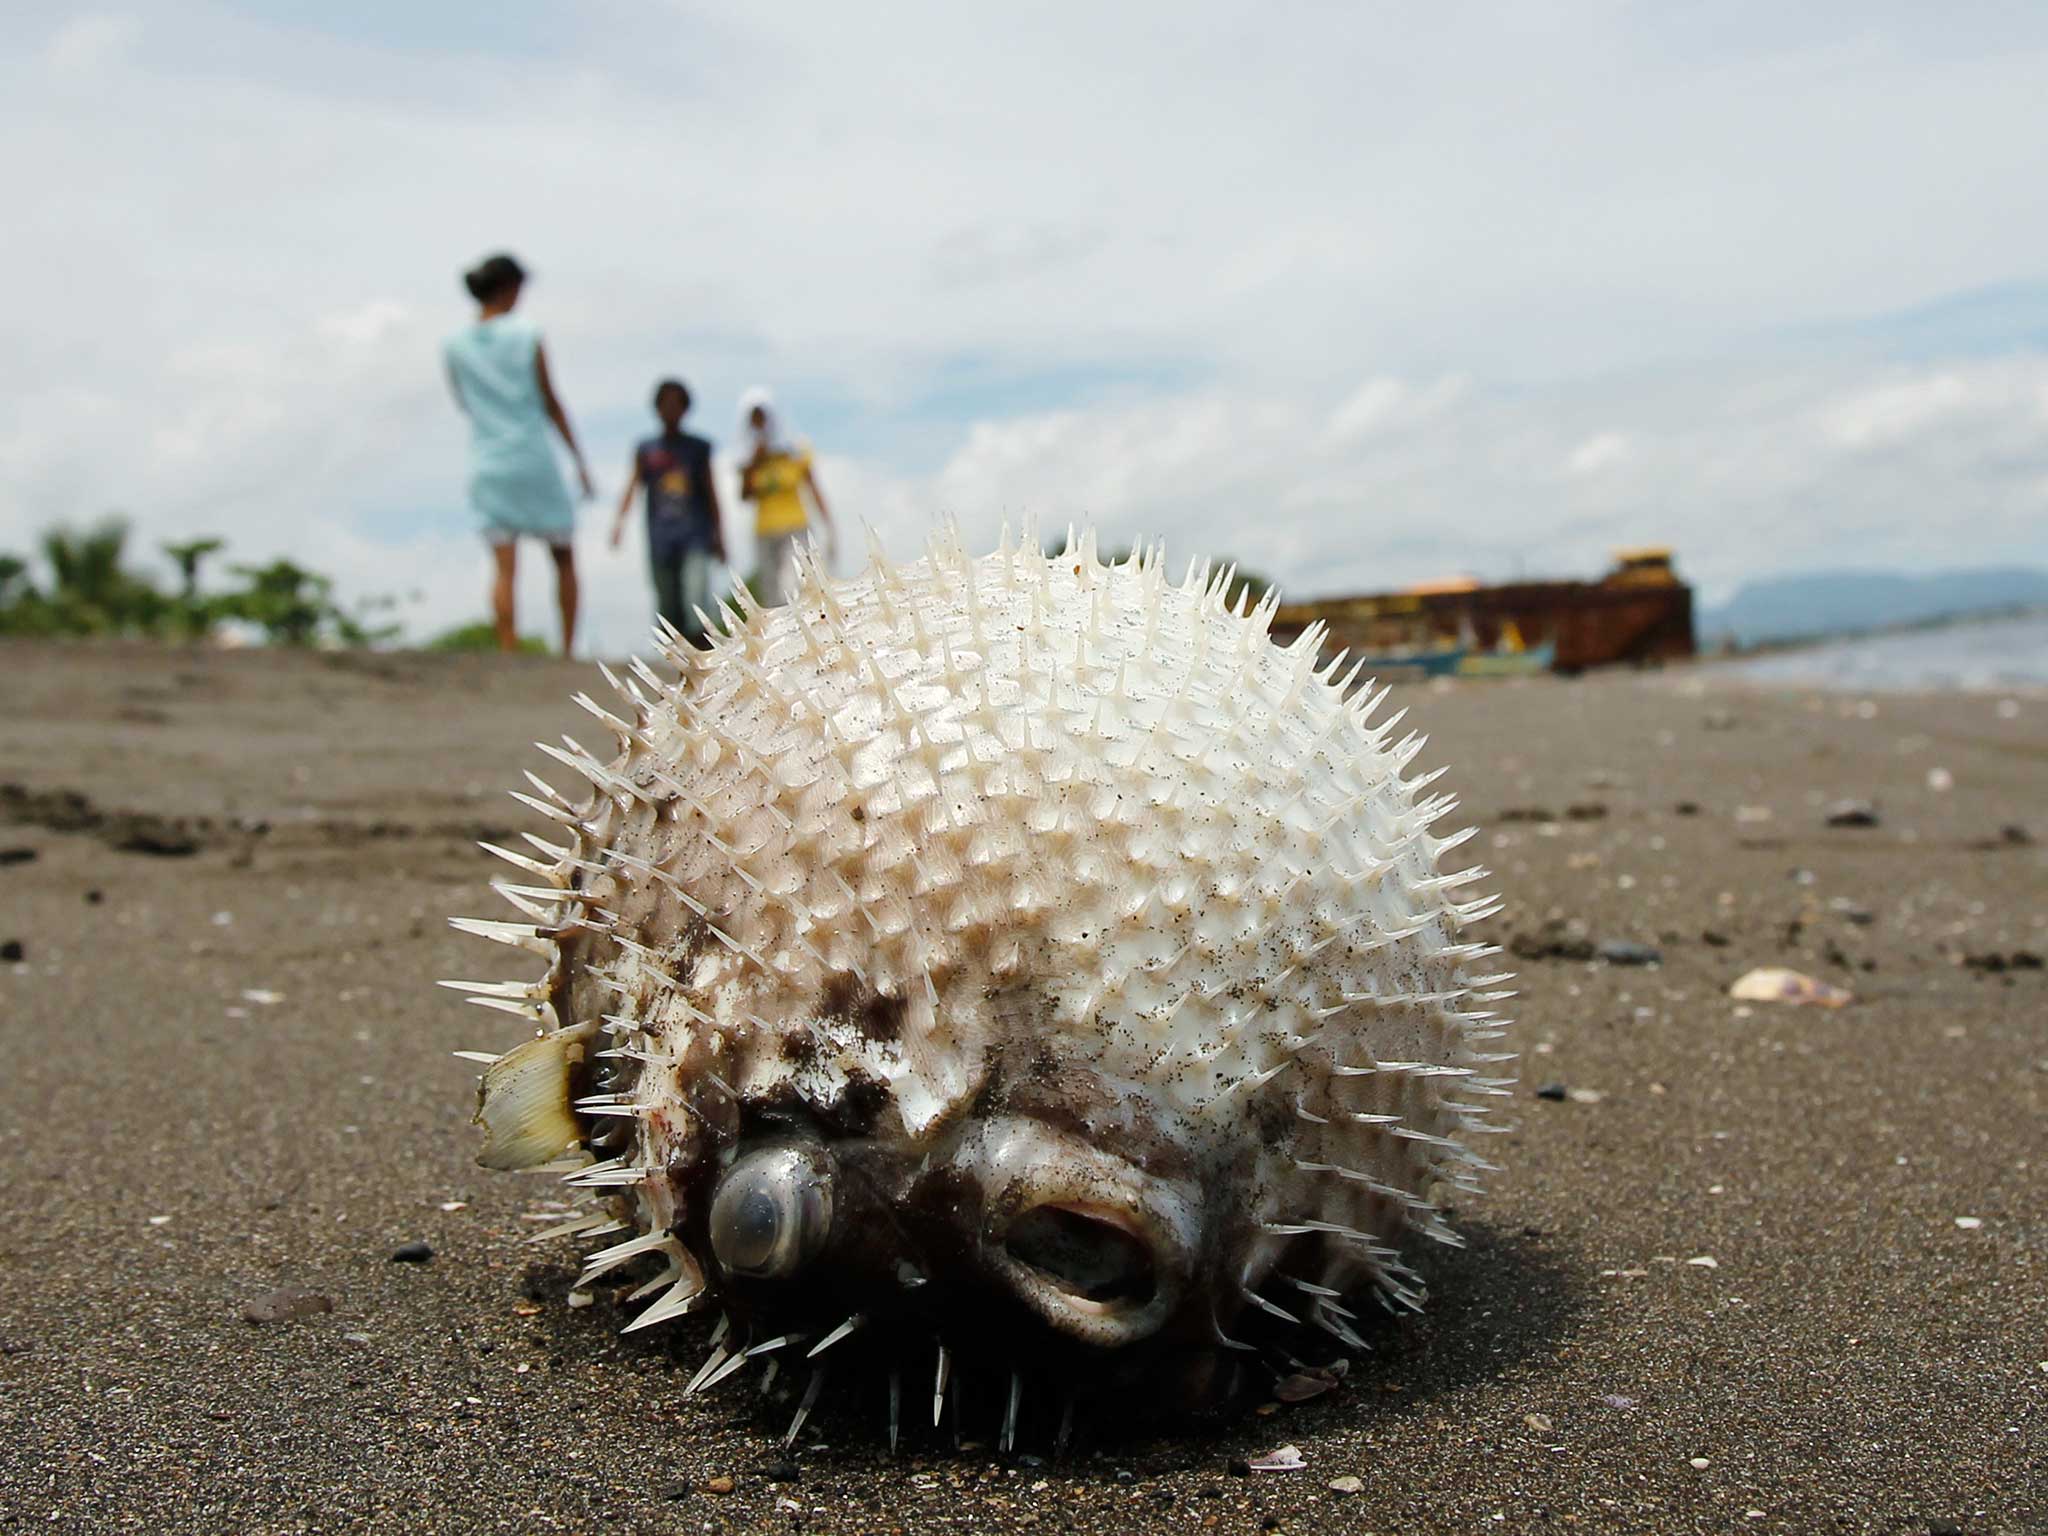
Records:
x=1017, y=965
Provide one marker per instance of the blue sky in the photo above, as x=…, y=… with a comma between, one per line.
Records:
x=1361, y=294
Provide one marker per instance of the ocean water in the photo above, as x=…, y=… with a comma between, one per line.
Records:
x=1994, y=654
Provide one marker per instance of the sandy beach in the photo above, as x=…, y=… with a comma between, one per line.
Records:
x=1747, y=1267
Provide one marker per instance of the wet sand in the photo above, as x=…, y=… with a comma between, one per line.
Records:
x=1759, y=1268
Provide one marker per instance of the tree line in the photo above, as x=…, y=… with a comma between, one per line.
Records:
x=87, y=588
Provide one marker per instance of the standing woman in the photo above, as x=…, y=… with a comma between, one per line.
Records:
x=777, y=478
x=499, y=373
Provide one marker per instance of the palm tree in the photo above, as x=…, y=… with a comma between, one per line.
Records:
x=192, y=614
x=296, y=606
x=90, y=593
x=14, y=569
x=188, y=555
x=288, y=600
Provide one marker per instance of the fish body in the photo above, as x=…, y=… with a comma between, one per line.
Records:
x=1022, y=958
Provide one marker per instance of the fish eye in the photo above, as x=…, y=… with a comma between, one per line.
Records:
x=771, y=1213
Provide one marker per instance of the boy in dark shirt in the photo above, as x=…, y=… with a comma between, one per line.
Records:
x=684, y=532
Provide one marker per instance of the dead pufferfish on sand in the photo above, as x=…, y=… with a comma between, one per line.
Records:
x=1018, y=967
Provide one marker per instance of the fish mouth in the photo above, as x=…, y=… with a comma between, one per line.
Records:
x=1095, y=1273
x=1097, y=1259
x=1081, y=1237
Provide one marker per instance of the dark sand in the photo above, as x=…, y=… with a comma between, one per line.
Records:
x=1852, y=1359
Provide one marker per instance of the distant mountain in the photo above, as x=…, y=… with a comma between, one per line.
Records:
x=1829, y=602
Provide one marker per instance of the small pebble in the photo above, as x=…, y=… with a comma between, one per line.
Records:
x=1346, y=1485
x=1705, y=1261
x=1540, y=1422
x=1287, y=1458
x=1969, y=1223
x=1555, y=1092
x=781, y=1472
x=1628, y=952
x=284, y=1305
x=16, y=855
x=720, y=1485
x=411, y=1253
x=1701, y=1463
x=1852, y=813
x=12, y=950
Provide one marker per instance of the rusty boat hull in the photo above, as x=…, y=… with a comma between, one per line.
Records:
x=1639, y=614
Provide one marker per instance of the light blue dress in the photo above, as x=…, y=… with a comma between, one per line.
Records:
x=515, y=482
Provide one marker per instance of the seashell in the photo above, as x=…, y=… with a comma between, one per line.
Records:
x=1016, y=964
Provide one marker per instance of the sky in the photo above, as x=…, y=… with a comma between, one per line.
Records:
x=1358, y=294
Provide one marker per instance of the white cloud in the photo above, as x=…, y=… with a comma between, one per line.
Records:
x=1896, y=408
x=1718, y=465
x=85, y=43
x=1601, y=451
x=1364, y=295
x=1384, y=403
x=365, y=323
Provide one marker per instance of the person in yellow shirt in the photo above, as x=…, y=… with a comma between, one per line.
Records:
x=778, y=479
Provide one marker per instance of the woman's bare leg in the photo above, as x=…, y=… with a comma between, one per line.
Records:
x=565, y=593
x=506, y=555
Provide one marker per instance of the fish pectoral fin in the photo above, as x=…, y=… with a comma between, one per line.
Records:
x=523, y=1101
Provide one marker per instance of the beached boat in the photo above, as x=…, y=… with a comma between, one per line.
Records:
x=1639, y=612
x=1508, y=663
x=1410, y=662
